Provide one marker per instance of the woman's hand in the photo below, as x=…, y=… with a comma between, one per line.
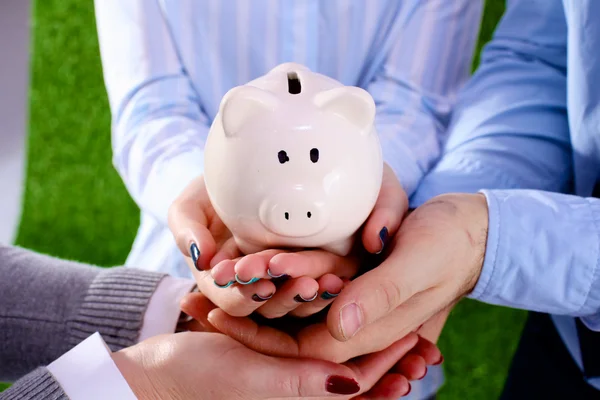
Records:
x=202, y=365
x=241, y=285
x=303, y=338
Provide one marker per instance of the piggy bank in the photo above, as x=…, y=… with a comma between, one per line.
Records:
x=293, y=161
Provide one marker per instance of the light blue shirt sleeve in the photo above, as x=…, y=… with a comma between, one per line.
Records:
x=429, y=61
x=509, y=128
x=510, y=131
x=158, y=127
x=542, y=254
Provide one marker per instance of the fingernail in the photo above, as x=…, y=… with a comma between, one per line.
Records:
x=328, y=296
x=409, y=389
x=341, y=385
x=351, y=320
x=241, y=282
x=224, y=286
x=275, y=276
x=195, y=253
x=259, y=298
x=423, y=374
x=441, y=360
x=300, y=299
x=383, y=235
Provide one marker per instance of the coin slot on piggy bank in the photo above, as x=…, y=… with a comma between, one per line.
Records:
x=294, y=172
x=294, y=86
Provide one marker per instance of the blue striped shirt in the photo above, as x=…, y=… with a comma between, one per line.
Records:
x=167, y=65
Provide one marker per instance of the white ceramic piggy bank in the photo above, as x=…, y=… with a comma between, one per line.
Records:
x=293, y=161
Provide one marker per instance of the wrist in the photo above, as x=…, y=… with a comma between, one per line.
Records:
x=131, y=366
x=469, y=214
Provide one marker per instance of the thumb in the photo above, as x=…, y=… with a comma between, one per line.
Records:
x=369, y=298
x=189, y=224
x=387, y=214
x=302, y=378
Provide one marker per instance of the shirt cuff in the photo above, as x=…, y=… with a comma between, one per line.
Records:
x=491, y=250
x=88, y=372
x=593, y=300
x=542, y=253
x=163, y=309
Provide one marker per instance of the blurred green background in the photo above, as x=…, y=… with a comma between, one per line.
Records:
x=76, y=206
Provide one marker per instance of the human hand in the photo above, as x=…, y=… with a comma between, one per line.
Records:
x=433, y=261
x=314, y=277
x=197, y=365
x=301, y=338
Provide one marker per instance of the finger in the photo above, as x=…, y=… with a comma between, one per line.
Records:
x=367, y=299
x=380, y=291
x=263, y=339
x=289, y=296
x=254, y=266
x=287, y=378
x=390, y=387
x=189, y=223
x=372, y=367
x=412, y=366
x=432, y=329
x=428, y=351
x=228, y=251
x=223, y=273
x=330, y=287
x=197, y=306
x=235, y=299
x=387, y=213
x=313, y=263
x=375, y=337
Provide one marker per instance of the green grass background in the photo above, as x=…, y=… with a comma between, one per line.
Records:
x=76, y=207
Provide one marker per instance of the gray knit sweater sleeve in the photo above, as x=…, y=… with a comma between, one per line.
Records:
x=48, y=305
x=37, y=385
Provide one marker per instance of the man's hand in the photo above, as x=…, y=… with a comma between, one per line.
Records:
x=434, y=260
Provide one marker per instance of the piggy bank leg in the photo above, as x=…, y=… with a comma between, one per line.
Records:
x=341, y=248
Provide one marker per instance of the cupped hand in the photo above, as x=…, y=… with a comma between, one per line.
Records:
x=309, y=338
x=433, y=261
x=242, y=284
x=199, y=365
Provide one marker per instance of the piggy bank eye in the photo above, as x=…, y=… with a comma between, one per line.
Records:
x=283, y=157
x=314, y=155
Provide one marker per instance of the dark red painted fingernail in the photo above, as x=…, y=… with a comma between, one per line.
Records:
x=441, y=360
x=409, y=389
x=383, y=235
x=259, y=298
x=195, y=253
x=341, y=385
x=423, y=374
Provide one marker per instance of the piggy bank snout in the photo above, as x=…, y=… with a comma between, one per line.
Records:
x=294, y=215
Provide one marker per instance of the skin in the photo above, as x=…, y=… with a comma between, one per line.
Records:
x=415, y=283
x=304, y=338
x=190, y=365
x=192, y=219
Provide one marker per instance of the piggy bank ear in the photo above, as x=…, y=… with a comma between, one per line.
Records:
x=350, y=102
x=243, y=103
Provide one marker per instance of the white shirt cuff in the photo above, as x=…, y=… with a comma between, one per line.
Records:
x=88, y=372
x=163, y=309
